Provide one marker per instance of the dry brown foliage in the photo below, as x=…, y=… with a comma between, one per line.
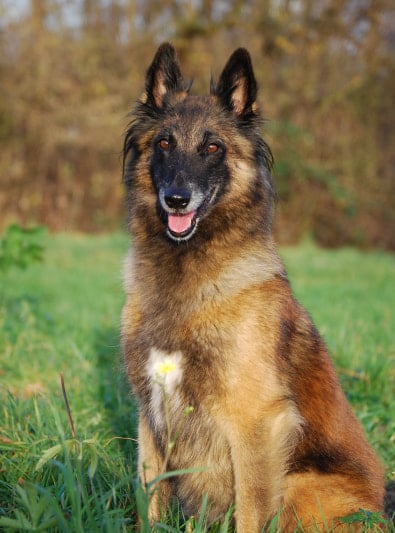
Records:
x=70, y=71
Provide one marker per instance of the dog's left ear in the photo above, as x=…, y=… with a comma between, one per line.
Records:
x=237, y=87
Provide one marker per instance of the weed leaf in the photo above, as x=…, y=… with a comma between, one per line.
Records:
x=48, y=455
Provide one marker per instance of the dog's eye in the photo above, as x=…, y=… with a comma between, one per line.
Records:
x=164, y=144
x=212, y=148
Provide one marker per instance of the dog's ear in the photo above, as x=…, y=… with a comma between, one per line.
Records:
x=237, y=87
x=163, y=76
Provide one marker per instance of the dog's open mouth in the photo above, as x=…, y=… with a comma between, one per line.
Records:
x=182, y=225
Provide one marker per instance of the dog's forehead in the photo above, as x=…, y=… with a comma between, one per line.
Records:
x=192, y=119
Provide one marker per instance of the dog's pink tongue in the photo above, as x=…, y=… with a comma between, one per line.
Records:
x=180, y=223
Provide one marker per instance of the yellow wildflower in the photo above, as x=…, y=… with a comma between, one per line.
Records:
x=165, y=367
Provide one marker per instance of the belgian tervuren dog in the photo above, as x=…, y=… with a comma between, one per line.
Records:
x=211, y=325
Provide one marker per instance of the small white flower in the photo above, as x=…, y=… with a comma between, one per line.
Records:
x=165, y=369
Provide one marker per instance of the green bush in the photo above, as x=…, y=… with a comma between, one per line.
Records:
x=20, y=247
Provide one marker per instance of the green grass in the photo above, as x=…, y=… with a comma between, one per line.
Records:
x=62, y=316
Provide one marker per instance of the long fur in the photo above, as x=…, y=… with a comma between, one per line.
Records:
x=231, y=375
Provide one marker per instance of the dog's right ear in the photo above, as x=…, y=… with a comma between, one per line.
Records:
x=163, y=77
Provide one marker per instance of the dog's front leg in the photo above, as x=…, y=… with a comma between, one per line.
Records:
x=260, y=448
x=257, y=493
x=150, y=465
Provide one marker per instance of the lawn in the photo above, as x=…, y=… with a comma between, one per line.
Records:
x=62, y=317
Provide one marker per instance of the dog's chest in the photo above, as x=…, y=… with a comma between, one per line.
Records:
x=180, y=382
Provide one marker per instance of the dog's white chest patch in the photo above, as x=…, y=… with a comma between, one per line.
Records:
x=165, y=372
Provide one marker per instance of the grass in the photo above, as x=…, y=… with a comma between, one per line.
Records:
x=62, y=316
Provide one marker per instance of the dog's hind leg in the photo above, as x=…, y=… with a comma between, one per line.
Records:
x=320, y=502
x=150, y=464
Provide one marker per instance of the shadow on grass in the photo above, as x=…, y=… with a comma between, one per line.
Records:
x=389, y=500
x=114, y=392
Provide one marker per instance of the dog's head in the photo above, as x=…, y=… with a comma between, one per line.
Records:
x=191, y=154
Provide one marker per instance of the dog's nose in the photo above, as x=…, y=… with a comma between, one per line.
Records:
x=177, y=198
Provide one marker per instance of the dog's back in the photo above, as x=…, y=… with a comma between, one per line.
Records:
x=229, y=370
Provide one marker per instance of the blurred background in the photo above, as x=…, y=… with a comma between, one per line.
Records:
x=71, y=70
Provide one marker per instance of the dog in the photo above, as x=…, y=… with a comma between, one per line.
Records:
x=234, y=382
